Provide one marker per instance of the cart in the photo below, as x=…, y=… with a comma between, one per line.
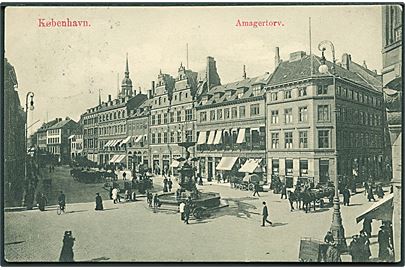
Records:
x=312, y=250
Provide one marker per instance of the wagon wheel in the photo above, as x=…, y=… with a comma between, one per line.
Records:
x=251, y=186
x=198, y=212
x=242, y=187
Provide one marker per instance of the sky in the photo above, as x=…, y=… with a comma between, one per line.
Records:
x=66, y=67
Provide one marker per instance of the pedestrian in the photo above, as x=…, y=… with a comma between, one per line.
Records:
x=115, y=195
x=332, y=253
x=370, y=195
x=181, y=208
x=99, y=202
x=346, y=196
x=42, y=202
x=284, y=191
x=291, y=198
x=124, y=175
x=165, y=184
x=329, y=238
x=133, y=196
x=156, y=202
x=367, y=226
x=384, y=247
x=366, y=186
x=127, y=195
x=256, y=189
x=355, y=249
x=110, y=193
x=62, y=201
x=170, y=184
x=364, y=244
x=66, y=254
x=265, y=214
x=380, y=192
x=187, y=210
x=149, y=198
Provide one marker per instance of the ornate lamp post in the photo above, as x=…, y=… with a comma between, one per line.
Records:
x=30, y=105
x=336, y=227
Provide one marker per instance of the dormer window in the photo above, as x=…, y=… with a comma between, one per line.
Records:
x=240, y=94
x=256, y=90
x=302, y=91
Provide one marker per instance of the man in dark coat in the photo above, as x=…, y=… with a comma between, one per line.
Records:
x=62, y=201
x=355, y=249
x=256, y=189
x=66, y=254
x=332, y=253
x=346, y=196
x=370, y=194
x=284, y=191
x=329, y=237
x=99, y=202
x=384, y=246
x=42, y=202
x=187, y=210
x=265, y=214
x=170, y=184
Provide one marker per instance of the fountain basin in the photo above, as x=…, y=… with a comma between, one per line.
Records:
x=206, y=199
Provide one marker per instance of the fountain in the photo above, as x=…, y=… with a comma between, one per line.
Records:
x=188, y=186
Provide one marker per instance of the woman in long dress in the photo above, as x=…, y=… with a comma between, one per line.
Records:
x=99, y=202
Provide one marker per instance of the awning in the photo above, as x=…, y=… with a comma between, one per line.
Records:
x=126, y=140
x=381, y=210
x=119, y=159
x=115, y=143
x=112, y=160
x=202, y=137
x=241, y=136
x=211, y=137
x=175, y=164
x=226, y=163
x=71, y=136
x=108, y=143
x=251, y=166
x=218, y=137
x=138, y=139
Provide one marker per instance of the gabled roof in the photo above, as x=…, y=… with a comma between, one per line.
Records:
x=301, y=69
x=61, y=124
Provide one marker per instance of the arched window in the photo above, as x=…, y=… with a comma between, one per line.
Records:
x=119, y=114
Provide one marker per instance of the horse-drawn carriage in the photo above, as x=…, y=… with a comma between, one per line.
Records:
x=307, y=197
x=249, y=182
x=91, y=175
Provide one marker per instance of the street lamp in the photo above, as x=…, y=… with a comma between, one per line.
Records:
x=336, y=228
x=28, y=104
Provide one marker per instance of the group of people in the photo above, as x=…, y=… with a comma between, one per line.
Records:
x=359, y=247
x=153, y=200
x=167, y=184
x=369, y=191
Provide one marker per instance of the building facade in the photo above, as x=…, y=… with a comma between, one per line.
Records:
x=14, y=139
x=321, y=125
x=231, y=129
x=393, y=94
x=76, y=144
x=173, y=114
x=57, y=139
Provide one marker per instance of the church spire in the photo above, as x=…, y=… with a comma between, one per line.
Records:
x=127, y=68
x=126, y=86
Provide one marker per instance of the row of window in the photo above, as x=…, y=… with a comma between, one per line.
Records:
x=323, y=115
x=358, y=139
x=171, y=137
x=176, y=96
x=323, y=90
x=230, y=113
x=53, y=140
x=90, y=143
x=112, y=130
x=53, y=132
x=172, y=117
x=105, y=117
x=54, y=149
x=358, y=117
x=288, y=143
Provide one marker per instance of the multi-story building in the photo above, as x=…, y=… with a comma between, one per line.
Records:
x=14, y=139
x=76, y=143
x=89, y=121
x=321, y=125
x=57, y=139
x=41, y=143
x=392, y=82
x=137, y=141
x=231, y=128
x=173, y=117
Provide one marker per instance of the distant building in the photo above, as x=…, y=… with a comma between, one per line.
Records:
x=57, y=139
x=231, y=129
x=41, y=142
x=14, y=139
x=76, y=143
x=319, y=127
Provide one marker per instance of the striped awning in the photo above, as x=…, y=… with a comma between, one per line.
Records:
x=114, y=158
x=241, y=136
x=115, y=143
x=211, y=137
x=138, y=139
x=126, y=140
x=71, y=136
x=202, y=137
x=218, y=137
x=226, y=163
x=119, y=159
x=108, y=143
x=251, y=166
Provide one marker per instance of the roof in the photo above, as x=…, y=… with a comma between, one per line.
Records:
x=60, y=124
x=301, y=69
x=245, y=83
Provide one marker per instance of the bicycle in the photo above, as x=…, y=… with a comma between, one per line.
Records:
x=59, y=210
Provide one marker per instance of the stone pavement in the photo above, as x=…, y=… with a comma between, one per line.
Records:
x=132, y=232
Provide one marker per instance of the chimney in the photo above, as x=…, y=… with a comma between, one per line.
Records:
x=375, y=71
x=295, y=56
x=244, y=72
x=153, y=89
x=140, y=91
x=59, y=119
x=346, y=59
x=276, y=57
x=364, y=64
x=109, y=98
